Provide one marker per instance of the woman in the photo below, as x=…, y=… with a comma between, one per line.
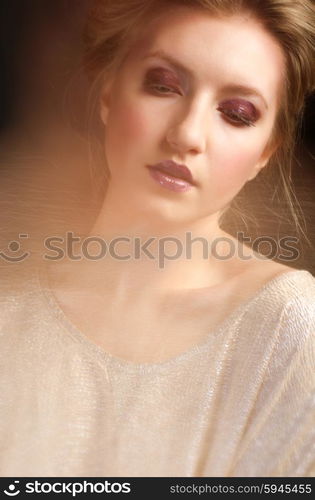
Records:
x=154, y=359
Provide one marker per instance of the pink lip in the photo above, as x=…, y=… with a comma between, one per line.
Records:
x=174, y=169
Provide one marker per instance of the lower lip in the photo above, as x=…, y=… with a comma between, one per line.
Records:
x=169, y=182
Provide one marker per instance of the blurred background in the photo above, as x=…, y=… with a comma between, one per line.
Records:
x=47, y=182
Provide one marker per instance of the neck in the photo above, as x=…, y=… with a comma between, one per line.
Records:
x=140, y=251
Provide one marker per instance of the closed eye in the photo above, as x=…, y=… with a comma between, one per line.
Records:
x=236, y=118
x=239, y=112
x=162, y=89
x=161, y=81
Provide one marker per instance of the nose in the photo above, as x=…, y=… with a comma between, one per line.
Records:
x=187, y=134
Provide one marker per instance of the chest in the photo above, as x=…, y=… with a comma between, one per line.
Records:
x=142, y=331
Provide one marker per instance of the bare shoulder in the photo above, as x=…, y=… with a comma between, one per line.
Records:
x=249, y=270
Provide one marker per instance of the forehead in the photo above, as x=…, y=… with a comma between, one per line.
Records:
x=214, y=49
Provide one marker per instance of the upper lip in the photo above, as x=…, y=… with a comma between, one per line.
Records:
x=174, y=169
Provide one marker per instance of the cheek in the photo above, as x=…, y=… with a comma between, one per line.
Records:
x=128, y=129
x=234, y=168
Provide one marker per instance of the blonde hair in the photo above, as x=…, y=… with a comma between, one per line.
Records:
x=113, y=24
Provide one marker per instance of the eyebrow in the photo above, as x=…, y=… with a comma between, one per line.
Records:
x=244, y=90
x=170, y=59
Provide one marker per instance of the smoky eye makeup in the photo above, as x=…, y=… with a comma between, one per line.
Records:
x=236, y=110
x=162, y=81
x=239, y=112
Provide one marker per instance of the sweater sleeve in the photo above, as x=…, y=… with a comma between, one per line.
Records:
x=281, y=426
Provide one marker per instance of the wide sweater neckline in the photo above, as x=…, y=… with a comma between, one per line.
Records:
x=42, y=284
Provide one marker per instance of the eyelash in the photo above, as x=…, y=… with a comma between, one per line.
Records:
x=156, y=87
x=232, y=116
x=236, y=117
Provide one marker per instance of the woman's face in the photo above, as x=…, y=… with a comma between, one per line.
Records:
x=200, y=91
